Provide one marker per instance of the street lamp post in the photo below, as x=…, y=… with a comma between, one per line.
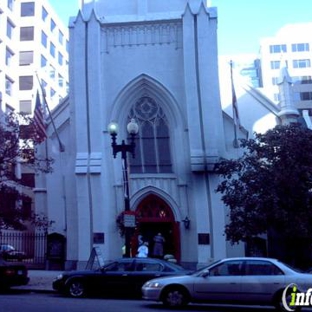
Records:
x=124, y=148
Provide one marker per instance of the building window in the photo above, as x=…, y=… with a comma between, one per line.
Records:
x=60, y=81
x=152, y=154
x=27, y=9
x=25, y=82
x=302, y=79
x=44, y=14
x=306, y=79
x=52, y=25
x=301, y=63
x=52, y=72
x=28, y=179
x=61, y=37
x=10, y=29
x=305, y=96
x=26, y=58
x=25, y=106
x=8, y=86
x=275, y=64
x=60, y=59
x=300, y=47
x=8, y=57
x=44, y=39
x=274, y=81
x=278, y=48
x=52, y=93
x=27, y=33
x=44, y=83
x=43, y=61
x=52, y=49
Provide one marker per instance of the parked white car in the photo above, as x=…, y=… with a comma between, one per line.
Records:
x=247, y=280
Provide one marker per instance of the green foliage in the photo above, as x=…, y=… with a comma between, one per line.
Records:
x=11, y=214
x=18, y=144
x=269, y=188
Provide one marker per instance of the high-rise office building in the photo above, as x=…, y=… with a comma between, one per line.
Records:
x=33, y=49
x=293, y=45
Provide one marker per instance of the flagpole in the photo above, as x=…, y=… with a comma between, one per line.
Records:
x=235, y=110
x=61, y=145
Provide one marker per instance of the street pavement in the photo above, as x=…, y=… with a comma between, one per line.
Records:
x=40, y=281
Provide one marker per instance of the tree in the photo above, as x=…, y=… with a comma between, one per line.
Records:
x=268, y=190
x=18, y=143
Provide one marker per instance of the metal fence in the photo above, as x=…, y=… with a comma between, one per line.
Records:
x=34, y=245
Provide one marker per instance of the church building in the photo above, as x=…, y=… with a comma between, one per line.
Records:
x=154, y=63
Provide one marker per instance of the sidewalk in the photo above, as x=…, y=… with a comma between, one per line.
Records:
x=40, y=280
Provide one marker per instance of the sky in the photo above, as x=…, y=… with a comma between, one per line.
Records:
x=241, y=23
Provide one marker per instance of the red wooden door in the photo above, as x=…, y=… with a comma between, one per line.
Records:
x=154, y=215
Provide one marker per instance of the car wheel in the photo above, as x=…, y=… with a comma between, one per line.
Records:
x=175, y=297
x=280, y=304
x=76, y=289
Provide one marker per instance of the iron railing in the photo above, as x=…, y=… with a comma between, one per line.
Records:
x=34, y=245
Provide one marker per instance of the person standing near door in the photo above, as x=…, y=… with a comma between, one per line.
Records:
x=143, y=250
x=158, y=251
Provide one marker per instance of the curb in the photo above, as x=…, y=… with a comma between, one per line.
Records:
x=34, y=290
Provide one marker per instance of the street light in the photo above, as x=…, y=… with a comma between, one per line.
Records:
x=123, y=148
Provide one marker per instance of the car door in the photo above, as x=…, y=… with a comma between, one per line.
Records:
x=260, y=281
x=144, y=270
x=221, y=283
x=116, y=277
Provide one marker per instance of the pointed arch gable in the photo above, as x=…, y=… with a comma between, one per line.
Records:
x=141, y=86
x=152, y=190
x=154, y=208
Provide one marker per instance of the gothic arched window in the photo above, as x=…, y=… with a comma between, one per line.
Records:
x=152, y=153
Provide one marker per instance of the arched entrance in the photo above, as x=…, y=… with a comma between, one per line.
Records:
x=154, y=215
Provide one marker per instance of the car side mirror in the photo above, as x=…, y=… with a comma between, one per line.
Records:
x=205, y=274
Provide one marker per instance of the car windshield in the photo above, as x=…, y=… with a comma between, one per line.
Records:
x=7, y=248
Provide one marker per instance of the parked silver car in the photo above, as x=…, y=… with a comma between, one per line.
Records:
x=8, y=252
x=247, y=280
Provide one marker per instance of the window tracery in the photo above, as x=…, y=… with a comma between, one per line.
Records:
x=152, y=154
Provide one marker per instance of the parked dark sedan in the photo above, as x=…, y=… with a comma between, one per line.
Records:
x=12, y=274
x=123, y=277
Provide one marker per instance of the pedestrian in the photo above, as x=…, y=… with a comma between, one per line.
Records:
x=158, y=250
x=140, y=240
x=143, y=250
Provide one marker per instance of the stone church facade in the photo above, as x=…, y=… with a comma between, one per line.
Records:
x=156, y=62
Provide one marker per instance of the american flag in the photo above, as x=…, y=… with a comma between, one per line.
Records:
x=39, y=125
x=237, y=124
x=234, y=102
